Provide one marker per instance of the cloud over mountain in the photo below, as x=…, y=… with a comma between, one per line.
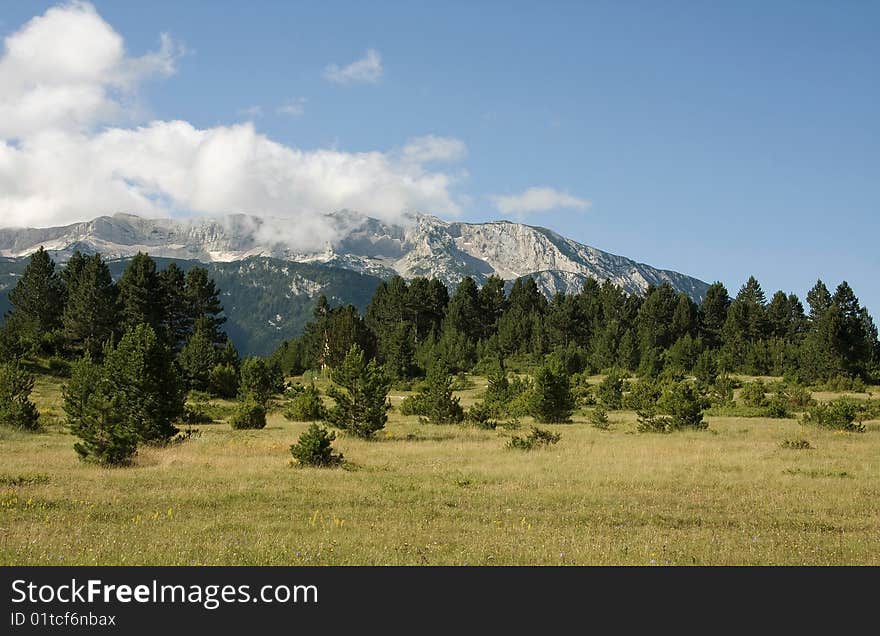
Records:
x=74, y=143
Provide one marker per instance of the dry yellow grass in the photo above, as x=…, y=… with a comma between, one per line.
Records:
x=424, y=494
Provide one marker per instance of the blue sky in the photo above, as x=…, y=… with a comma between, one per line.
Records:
x=716, y=139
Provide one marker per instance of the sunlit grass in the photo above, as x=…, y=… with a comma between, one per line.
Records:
x=423, y=494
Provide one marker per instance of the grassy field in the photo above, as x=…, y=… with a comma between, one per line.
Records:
x=425, y=494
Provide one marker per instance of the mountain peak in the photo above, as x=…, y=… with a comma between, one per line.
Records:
x=420, y=245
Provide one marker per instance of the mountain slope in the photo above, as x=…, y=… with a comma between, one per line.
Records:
x=425, y=246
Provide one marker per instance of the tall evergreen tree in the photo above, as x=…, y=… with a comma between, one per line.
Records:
x=140, y=295
x=713, y=314
x=656, y=317
x=178, y=320
x=37, y=300
x=203, y=299
x=140, y=371
x=819, y=300
x=198, y=358
x=91, y=315
x=464, y=313
x=493, y=303
x=71, y=272
x=517, y=323
x=684, y=318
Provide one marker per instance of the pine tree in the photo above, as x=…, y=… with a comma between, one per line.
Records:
x=440, y=406
x=684, y=318
x=399, y=353
x=362, y=406
x=610, y=390
x=91, y=314
x=140, y=372
x=178, y=316
x=464, y=313
x=819, y=300
x=198, y=358
x=851, y=341
x=37, y=301
x=516, y=326
x=551, y=399
x=426, y=302
x=257, y=380
x=140, y=295
x=16, y=408
x=105, y=435
x=493, y=303
x=70, y=273
x=315, y=448
x=713, y=314
x=203, y=300
x=223, y=381
x=655, y=318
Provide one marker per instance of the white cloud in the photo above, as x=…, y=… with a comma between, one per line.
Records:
x=432, y=148
x=72, y=158
x=367, y=70
x=538, y=200
x=293, y=107
x=68, y=69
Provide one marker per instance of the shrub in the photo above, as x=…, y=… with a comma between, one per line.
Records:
x=414, y=405
x=685, y=406
x=797, y=397
x=643, y=395
x=248, y=414
x=599, y=418
x=462, y=382
x=315, y=448
x=59, y=367
x=610, y=391
x=838, y=415
x=223, y=381
x=362, y=407
x=480, y=416
x=776, y=406
x=752, y=394
x=583, y=392
x=680, y=407
x=551, y=400
x=306, y=405
x=798, y=443
x=196, y=409
x=257, y=380
x=536, y=438
x=844, y=383
x=721, y=392
x=16, y=408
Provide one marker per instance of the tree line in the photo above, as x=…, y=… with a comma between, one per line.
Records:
x=408, y=326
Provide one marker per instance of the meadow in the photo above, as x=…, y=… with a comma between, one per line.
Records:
x=448, y=495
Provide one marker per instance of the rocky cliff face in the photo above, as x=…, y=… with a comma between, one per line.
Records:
x=425, y=246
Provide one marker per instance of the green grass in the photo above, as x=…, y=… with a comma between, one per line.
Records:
x=424, y=494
